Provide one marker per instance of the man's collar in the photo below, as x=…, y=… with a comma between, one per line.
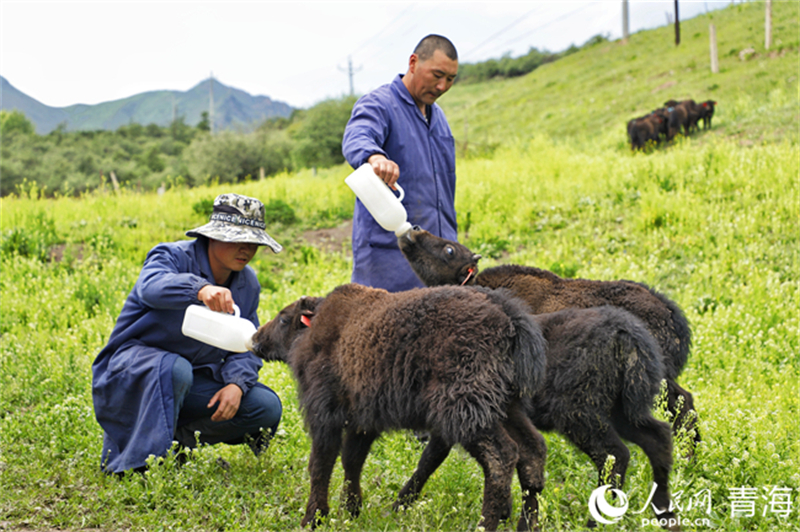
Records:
x=201, y=253
x=402, y=91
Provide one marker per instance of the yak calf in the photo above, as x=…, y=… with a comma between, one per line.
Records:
x=603, y=369
x=707, y=112
x=438, y=261
x=452, y=361
x=644, y=129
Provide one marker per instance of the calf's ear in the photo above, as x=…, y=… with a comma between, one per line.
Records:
x=309, y=303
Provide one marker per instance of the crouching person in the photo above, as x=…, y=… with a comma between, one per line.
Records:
x=151, y=385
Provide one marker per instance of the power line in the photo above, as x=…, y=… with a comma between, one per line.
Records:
x=386, y=46
x=382, y=33
x=523, y=17
x=383, y=30
x=537, y=28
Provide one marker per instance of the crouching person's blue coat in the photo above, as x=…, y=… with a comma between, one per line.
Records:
x=132, y=374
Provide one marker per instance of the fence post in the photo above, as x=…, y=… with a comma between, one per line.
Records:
x=712, y=35
x=114, y=181
x=768, y=26
x=625, y=21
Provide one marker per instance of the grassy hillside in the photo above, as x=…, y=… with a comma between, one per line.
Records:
x=711, y=221
x=593, y=93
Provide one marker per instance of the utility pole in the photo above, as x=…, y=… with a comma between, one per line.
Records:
x=768, y=26
x=350, y=73
x=625, y=21
x=677, y=25
x=211, y=104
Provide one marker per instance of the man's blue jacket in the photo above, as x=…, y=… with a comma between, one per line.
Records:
x=388, y=121
x=132, y=374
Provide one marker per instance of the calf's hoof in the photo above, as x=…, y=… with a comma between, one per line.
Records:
x=527, y=524
x=313, y=518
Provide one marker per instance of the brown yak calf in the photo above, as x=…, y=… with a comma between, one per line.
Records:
x=603, y=369
x=452, y=361
x=438, y=261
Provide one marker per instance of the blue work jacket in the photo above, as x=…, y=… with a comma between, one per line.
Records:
x=132, y=374
x=388, y=121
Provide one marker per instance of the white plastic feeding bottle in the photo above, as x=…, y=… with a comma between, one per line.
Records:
x=379, y=199
x=226, y=331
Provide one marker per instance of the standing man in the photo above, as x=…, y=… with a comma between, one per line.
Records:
x=151, y=384
x=404, y=135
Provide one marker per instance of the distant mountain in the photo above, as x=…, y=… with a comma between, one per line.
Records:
x=233, y=109
x=43, y=117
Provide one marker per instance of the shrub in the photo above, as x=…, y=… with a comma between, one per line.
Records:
x=33, y=240
x=278, y=211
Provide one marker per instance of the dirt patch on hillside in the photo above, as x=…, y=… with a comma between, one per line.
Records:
x=57, y=252
x=664, y=86
x=332, y=240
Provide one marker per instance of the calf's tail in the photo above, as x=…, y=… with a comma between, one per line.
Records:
x=677, y=354
x=642, y=368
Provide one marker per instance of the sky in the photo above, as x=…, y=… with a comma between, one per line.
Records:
x=299, y=52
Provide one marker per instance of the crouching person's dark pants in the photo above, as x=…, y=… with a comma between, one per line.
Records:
x=254, y=423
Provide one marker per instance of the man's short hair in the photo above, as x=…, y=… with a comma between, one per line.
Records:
x=428, y=45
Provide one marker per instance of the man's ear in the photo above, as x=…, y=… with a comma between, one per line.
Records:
x=412, y=63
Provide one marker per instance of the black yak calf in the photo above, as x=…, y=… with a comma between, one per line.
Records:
x=648, y=128
x=707, y=112
x=603, y=369
x=681, y=114
x=452, y=361
x=438, y=261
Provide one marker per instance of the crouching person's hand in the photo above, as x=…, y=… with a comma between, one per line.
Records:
x=229, y=399
x=217, y=298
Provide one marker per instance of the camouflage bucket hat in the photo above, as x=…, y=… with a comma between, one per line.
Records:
x=237, y=218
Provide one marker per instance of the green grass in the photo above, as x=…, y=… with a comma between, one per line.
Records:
x=712, y=221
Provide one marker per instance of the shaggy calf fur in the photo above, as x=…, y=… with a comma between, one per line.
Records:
x=707, y=112
x=681, y=114
x=648, y=128
x=452, y=361
x=603, y=369
x=438, y=261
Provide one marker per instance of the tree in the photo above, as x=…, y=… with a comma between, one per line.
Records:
x=277, y=150
x=152, y=160
x=229, y=157
x=318, y=135
x=204, y=124
x=180, y=131
x=15, y=122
